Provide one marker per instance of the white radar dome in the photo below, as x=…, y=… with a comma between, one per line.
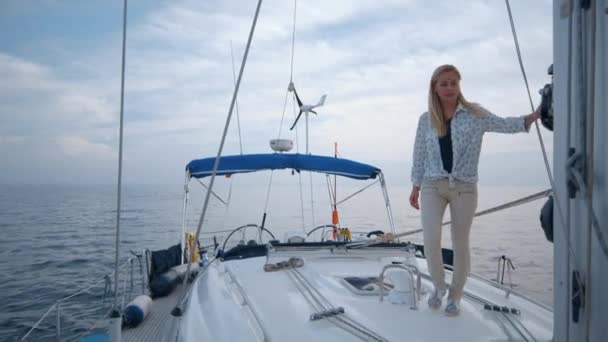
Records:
x=281, y=145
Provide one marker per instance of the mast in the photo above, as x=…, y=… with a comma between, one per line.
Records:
x=580, y=164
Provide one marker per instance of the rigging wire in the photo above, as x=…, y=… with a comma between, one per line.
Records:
x=281, y=126
x=293, y=38
x=268, y=193
x=219, y=152
x=293, y=44
x=238, y=119
x=300, y=175
x=523, y=71
x=557, y=201
x=312, y=201
x=227, y=203
x=508, y=205
x=213, y=192
x=357, y=192
x=321, y=304
x=330, y=191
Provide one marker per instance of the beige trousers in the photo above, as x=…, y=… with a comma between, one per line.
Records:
x=434, y=197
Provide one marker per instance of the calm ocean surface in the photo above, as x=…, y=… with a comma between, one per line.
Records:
x=57, y=239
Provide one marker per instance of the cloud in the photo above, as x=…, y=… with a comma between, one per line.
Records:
x=372, y=59
x=10, y=140
x=22, y=74
x=78, y=147
x=36, y=98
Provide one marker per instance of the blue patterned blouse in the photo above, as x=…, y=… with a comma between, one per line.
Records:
x=467, y=135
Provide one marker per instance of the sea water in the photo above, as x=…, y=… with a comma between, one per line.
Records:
x=58, y=239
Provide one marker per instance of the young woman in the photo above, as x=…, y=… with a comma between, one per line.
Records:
x=444, y=171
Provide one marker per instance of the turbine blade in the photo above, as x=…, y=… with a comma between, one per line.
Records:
x=295, y=122
x=312, y=111
x=321, y=101
x=297, y=97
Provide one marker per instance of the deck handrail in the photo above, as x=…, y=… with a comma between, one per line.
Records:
x=411, y=270
x=56, y=304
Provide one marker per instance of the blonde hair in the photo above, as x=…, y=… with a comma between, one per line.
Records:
x=438, y=121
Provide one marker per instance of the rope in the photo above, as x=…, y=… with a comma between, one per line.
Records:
x=324, y=307
x=268, y=191
x=523, y=72
x=120, y=140
x=310, y=298
x=293, y=38
x=248, y=302
x=516, y=325
x=227, y=203
x=506, y=315
x=504, y=328
x=316, y=302
x=38, y=323
x=293, y=43
x=213, y=193
x=516, y=322
x=518, y=202
x=327, y=304
x=221, y=147
x=358, y=192
x=238, y=123
x=284, y=105
x=283, y=115
x=299, y=174
x=281, y=265
x=521, y=201
x=521, y=65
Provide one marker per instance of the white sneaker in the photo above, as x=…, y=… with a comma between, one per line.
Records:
x=435, y=298
x=452, y=309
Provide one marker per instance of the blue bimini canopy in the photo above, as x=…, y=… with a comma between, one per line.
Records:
x=200, y=168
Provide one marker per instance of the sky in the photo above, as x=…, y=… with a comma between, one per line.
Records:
x=60, y=65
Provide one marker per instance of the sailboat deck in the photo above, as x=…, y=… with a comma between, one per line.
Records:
x=158, y=322
x=238, y=300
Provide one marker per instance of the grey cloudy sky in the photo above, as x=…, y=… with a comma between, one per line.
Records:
x=60, y=71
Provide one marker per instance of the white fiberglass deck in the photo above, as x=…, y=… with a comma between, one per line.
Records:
x=238, y=301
